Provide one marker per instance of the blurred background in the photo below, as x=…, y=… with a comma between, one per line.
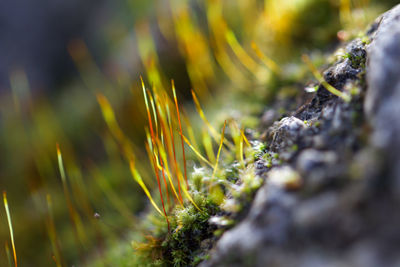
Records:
x=55, y=57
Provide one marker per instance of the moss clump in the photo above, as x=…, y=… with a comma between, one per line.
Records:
x=187, y=244
x=194, y=227
x=357, y=61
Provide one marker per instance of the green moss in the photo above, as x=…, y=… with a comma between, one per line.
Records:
x=220, y=202
x=295, y=147
x=258, y=149
x=183, y=246
x=365, y=39
x=198, y=259
x=356, y=60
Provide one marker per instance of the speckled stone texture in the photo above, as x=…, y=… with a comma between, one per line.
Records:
x=345, y=213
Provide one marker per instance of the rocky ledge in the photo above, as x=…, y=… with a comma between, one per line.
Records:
x=334, y=200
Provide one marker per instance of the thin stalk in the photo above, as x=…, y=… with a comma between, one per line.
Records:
x=159, y=159
x=152, y=152
x=79, y=233
x=52, y=232
x=8, y=253
x=139, y=180
x=196, y=152
x=173, y=148
x=10, y=227
x=180, y=130
x=164, y=158
x=214, y=132
x=321, y=79
x=219, y=151
x=266, y=60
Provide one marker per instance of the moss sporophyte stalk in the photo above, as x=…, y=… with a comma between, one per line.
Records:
x=195, y=209
x=192, y=206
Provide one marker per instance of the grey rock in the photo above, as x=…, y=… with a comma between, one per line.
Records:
x=285, y=133
x=268, y=222
x=342, y=214
x=340, y=73
x=383, y=62
x=309, y=159
x=317, y=167
x=383, y=95
x=268, y=117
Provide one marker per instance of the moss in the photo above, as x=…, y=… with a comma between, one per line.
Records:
x=258, y=149
x=357, y=61
x=294, y=147
x=198, y=259
x=365, y=39
x=220, y=201
x=197, y=178
x=183, y=246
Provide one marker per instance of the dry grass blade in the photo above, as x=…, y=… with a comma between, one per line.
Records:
x=153, y=107
x=165, y=143
x=176, y=169
x=321, y=79
x=152, y=150
x=10, y=227
x=207, y=143
x=160, y=165
x=110, y=193
x=241, y=54
x=168, y=173
x=266, y=60
x=109, y=117
x=241, y=151
x=79, y=232
x=245, y=138
x=219, y=151
x=8, y=253
x=52, y=232
x=216, y=192
x=198, y=154
x=213, y=132
x=180, y=130
x=136, y=176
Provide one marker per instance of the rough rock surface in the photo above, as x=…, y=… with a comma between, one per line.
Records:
x=345, y=211
x=382, y=103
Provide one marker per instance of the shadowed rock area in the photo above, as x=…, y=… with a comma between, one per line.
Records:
x=334, y=200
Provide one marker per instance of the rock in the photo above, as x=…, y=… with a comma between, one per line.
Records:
x=285, y=133
x=345, y=213
x=267, y=223
x=344, y=70
x=309, y=159
x=383, y=63
x=383, y=96
x=285, y=177
x=317, y=167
